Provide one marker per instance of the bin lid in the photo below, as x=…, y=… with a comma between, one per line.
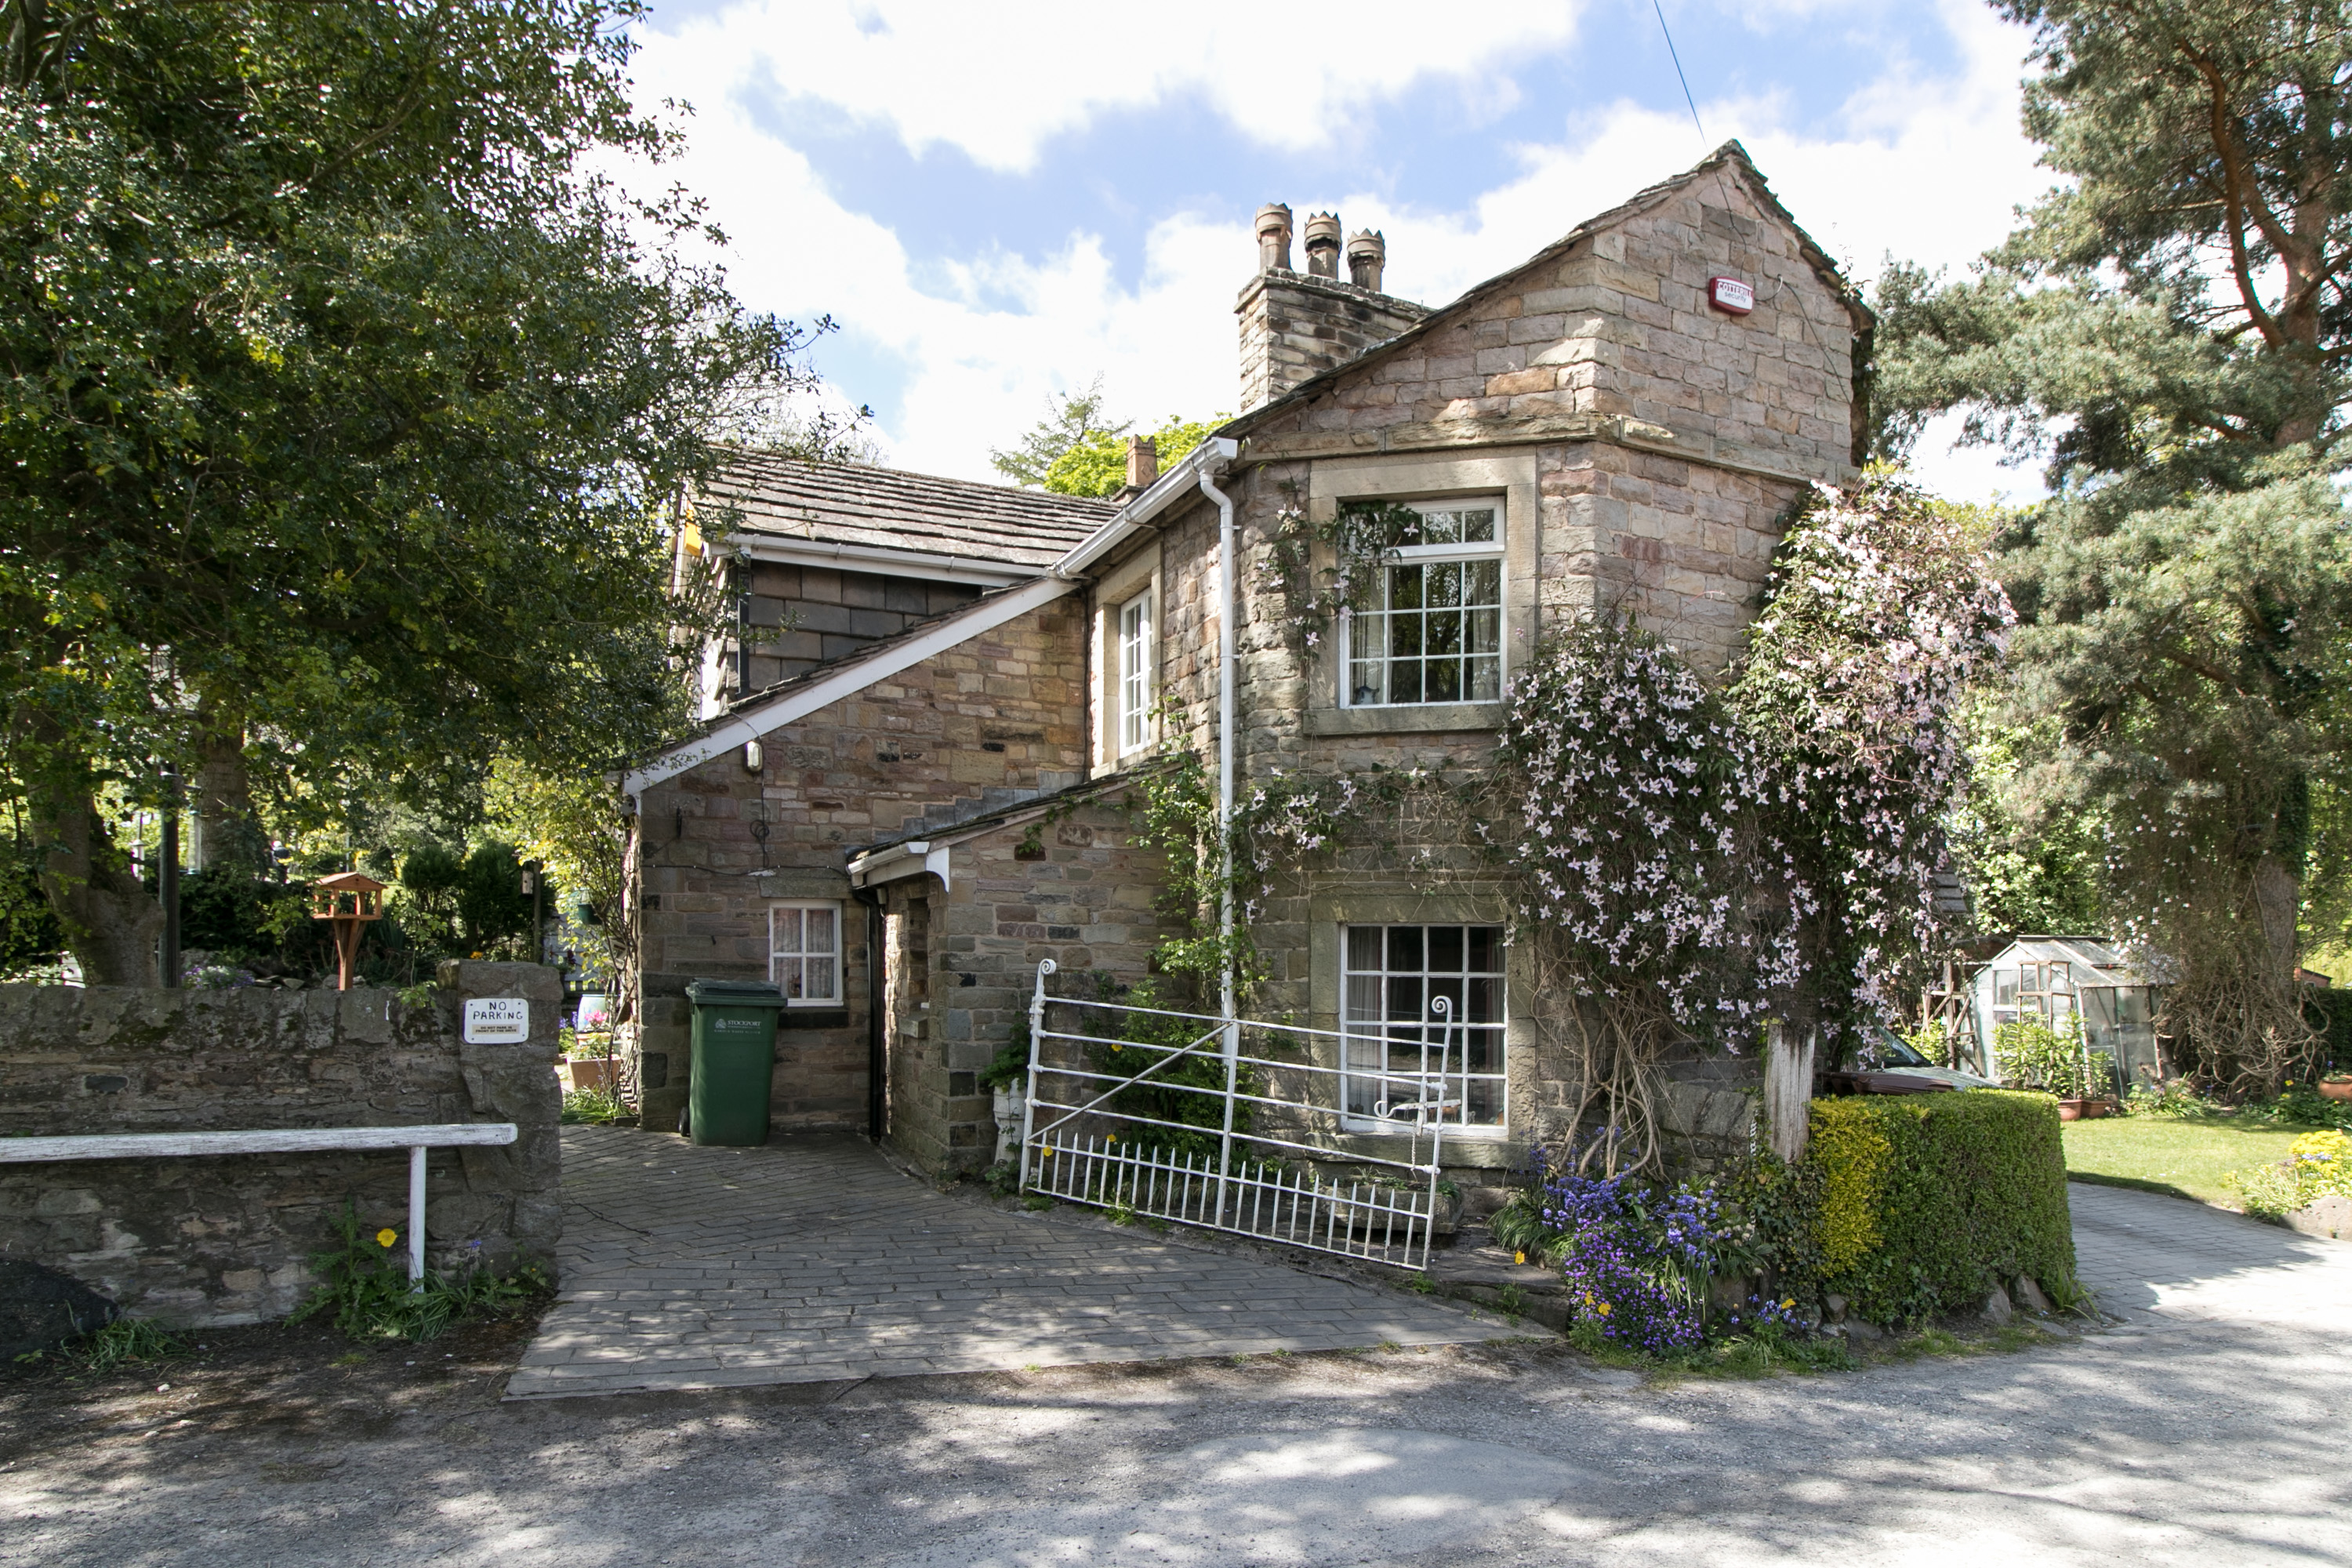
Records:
x=733, y=993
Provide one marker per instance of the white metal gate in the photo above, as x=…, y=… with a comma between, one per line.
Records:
x=1249, y=1164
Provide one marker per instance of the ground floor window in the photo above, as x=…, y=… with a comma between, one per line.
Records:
x=1422, y=1018
x=804, y=952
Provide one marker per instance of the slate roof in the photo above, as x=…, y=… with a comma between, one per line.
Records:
x=847, y=503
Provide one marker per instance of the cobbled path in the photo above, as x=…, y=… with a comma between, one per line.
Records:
x=812, y=1260
x=2157, y=1260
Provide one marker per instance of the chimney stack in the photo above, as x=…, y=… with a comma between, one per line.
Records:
x=1274, y=237
x=1295, y=325
x=1143, y=463
x=1323, y=246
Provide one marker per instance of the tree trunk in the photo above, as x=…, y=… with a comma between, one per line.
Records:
x=111, y=921
x=227, y=834
x=2278, y=897
x=1788, y=1091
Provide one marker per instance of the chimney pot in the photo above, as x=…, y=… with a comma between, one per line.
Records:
x=1274, y=237
x=1368, y=256
x=1323, y=245
x=1142, y=462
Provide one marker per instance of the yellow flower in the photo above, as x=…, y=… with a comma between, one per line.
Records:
x=387, y=1236
x=1518, y=1258
x=1602, y=1309
x=1786, y=1305
x=1114, y=1137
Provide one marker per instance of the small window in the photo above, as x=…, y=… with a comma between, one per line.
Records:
x=1423, y=1020
x=1434, y=632
x=804, y=954
x=1135, y=673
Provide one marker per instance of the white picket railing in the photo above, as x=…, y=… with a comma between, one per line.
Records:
x=1252, y=1163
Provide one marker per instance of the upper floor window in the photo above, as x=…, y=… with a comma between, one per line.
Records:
x=1434, y=632
x=1134, y=672
x=804, y=952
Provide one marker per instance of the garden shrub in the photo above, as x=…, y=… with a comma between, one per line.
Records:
x=2318, y=1164
x=1929, y=1200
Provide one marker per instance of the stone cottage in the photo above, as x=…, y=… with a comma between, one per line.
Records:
x=905, y=792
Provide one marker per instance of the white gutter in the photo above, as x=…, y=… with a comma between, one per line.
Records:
x=896, y=862
x=882, y=559
x=750, y=723
x=1225, y=643
x=1178, y=482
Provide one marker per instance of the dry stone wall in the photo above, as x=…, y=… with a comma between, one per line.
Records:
x=227, y=1239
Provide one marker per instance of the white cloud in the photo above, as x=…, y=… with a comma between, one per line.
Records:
x=1926, y=167
x=997, y=81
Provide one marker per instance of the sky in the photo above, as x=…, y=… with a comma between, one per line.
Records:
x=999, y=202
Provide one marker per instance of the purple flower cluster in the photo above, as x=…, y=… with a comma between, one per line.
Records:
x=1633, y=1259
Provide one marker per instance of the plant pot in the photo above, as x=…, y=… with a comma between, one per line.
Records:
x=2086, y=1110
x=2336, y=1089
x=585, y=1072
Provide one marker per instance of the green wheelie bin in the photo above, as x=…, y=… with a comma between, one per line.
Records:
x=734, y=1053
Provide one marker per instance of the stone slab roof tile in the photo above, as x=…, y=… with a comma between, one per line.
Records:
x=847, y=503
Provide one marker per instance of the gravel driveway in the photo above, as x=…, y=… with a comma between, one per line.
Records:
x=2206, y=1429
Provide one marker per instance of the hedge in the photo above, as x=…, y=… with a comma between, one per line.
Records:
x=2329, y=1011
x=1928, y=1200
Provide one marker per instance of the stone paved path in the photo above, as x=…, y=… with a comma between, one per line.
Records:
x=812, y=1259
x=2157, y=1259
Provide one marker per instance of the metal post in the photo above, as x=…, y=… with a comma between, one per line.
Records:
x=416, y=1217
x=1233, y=1043
x=1036, y=1041
x=167, y=878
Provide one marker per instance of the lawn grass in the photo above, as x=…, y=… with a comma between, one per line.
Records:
x=2187, y=1157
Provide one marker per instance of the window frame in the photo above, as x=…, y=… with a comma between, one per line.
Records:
x=1496, y=1028
x=1135, y=690
x=840, y=958
x=1496, y=550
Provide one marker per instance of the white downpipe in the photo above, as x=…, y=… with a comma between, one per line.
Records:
x=1226, y=642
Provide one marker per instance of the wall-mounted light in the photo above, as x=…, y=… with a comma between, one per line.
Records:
x=754, y=759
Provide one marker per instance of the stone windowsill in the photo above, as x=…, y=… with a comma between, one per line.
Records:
x=1414, y=719
x=1489, y=1151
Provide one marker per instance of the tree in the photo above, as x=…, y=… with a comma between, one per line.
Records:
x=1097, y=465
x=341, y=412
x=1072, y=419
x=2171, y=332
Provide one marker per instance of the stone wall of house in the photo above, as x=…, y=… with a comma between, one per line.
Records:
x=1664, y=443
x=977, y=728
x=802, y=616
x=1071, y=886
x=229, y=1239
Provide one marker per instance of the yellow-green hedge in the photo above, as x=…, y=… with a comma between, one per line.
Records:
x=1929, y=1199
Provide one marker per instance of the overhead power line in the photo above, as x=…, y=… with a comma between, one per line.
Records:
x=1675, y=56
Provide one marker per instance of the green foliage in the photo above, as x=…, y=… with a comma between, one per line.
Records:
x=346, y=399
x=2318, y=1164
x=1929, y=1200
x=2166, y=331
x=2026, y=871
x=1072, y=419
x=124, y=1341
x=465, y=905
x=1010, y=1065
x=368, y=1291
x=2330, y=1012
x=2030, y=1052
x=1357, y=539
x=1137, y=1043
x=594, y=1107
x=1096, y=464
